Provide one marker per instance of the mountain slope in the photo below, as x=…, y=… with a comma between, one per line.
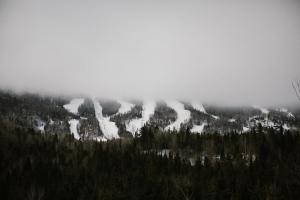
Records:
x=88, y=118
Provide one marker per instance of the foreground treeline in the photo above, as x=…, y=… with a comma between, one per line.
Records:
x=256, y=165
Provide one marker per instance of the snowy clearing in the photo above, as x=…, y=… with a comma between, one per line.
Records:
x=183, y=115
x=108, y=128
x=198, y=128
x=73, y=106
x=136, y=124
x=73, y=128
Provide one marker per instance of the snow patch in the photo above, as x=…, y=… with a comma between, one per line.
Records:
x=164, y=152
x=183, y=115
x=285, y=127
x=198, y=106
x=215, y=116
x=135, y=125
x=100, y=139
x=108, y=128
x=245, y=129
x=39, y=125
x=198, y=128
x=73, y=106
x=73, y=128
x=232, y=120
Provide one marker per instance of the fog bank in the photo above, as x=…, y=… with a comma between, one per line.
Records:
x=238, y=52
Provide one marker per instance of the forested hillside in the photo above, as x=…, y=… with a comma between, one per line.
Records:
x=155, y=165
x=103, y=119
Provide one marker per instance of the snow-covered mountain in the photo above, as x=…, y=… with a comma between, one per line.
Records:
x=98, y=119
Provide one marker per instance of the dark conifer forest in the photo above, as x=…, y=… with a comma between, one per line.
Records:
x=261, y=164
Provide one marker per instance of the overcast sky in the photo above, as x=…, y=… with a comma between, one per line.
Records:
x=231, y=52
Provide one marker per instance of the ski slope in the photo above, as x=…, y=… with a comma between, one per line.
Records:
x=183, y=115
x=198, y=106
x=135, y=125
x=73, y=128
x=108, y=128
x=73, y=106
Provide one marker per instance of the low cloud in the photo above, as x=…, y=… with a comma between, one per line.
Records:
x=240, y=52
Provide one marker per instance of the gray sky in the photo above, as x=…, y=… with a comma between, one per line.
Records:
x=231, y=52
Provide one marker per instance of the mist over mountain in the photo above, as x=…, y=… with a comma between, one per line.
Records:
x=237, y=53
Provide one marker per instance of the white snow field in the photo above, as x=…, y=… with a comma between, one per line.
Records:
x=215, y=116
x=73, y=128
x=246, y=129
x=125, y=107
x=198, y=128
x=183, y=115
x=232, y=120
x=135, y=125
x=198, y=106
x=108, y=128
x=263, y=110
x=73, y=106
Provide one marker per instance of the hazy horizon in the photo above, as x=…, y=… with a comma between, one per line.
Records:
x=233, y=53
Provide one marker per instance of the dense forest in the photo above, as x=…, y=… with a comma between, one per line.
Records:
x=155, y=165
